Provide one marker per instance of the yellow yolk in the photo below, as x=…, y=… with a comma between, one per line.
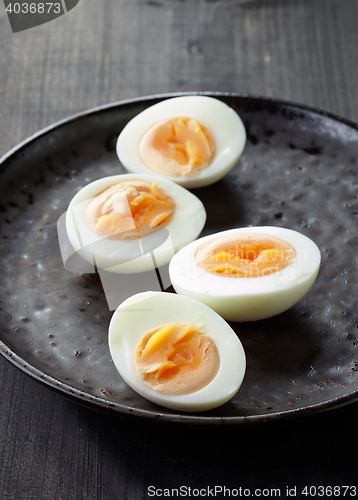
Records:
x=247, y=256
x=129, y=209
x=177, y=147
x=177, y=359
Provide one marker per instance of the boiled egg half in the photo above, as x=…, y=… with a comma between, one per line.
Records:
x=132, y=223
x=191, y=140
x=247, y=274
x=176, y=352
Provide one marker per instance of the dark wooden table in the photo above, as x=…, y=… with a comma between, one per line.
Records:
x=102, y=52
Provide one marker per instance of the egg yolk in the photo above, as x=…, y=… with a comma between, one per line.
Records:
x=129, y=209
x=245, y=256
x=179, y=146
x=177, y=359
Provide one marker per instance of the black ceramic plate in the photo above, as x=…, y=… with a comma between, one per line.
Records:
x=299, y=170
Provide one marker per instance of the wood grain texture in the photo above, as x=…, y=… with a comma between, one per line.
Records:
x=298, y=50
x=103, y=52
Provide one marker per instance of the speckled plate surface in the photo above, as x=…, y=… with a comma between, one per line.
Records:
x=299, y=170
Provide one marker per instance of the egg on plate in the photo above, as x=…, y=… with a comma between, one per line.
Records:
x=176, y=352
x=132, y=223
x=247, y=274
x=191, y=140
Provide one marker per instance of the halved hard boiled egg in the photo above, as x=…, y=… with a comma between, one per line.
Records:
x=191, y=140
x=132, y=223
x=247, y=274
x=176, y=352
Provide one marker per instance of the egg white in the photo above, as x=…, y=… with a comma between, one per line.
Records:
x=248, y=299
x=143, y=312
x=224, y=123
x=132, y=256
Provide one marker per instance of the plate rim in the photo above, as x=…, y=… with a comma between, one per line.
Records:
x=150, y=97
x=92, y=401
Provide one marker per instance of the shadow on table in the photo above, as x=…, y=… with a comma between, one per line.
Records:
x=302, y=451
